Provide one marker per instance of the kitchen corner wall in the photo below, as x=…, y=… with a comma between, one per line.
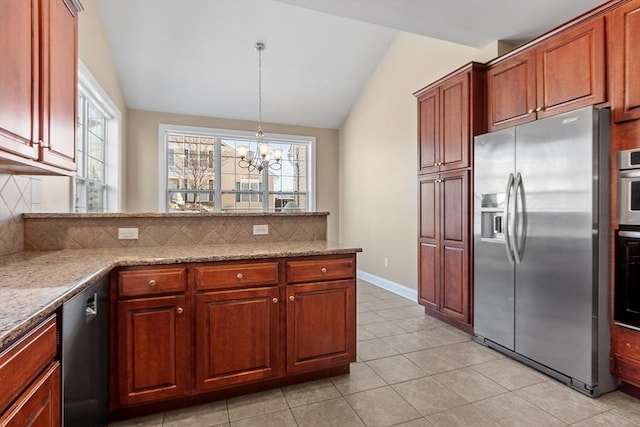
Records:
x=378, y=155
x=18, y=194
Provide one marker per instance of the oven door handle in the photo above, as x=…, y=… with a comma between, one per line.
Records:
x=632, y=234
x=629, y=173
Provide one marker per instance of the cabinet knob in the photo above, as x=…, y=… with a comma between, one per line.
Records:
x=179, y=310
x=292, y=298
x=323, y=270
x=275, y=300
x=539, y=109
x=239, y=276
x=152, y=283
x=531, y=111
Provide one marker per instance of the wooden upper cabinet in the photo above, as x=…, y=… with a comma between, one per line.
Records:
x=447, y=119
x=571, y=69
x=562, y=73
x=19, y=78
x=511, y=91
x=625, y=56
x=59, y=84
x=38, y=86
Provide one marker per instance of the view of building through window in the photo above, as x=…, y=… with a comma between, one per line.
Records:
x=203, y=174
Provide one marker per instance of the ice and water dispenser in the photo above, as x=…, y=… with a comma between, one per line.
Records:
x=493, y=221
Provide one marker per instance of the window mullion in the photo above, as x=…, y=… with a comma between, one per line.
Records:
x=217, y=185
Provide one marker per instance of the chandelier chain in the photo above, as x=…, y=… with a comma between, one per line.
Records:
x=259, y=48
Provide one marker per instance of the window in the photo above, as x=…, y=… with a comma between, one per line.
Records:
x=200, y=171
x=95, y=186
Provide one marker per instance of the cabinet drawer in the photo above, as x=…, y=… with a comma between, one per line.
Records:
x=627, y=369
x=236, y=275
x=22, y=362
x=320, y=269
x=151, y=281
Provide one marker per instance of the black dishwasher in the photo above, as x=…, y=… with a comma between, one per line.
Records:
x=85, y=348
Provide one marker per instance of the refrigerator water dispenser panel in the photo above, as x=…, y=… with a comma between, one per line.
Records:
x=492, y=216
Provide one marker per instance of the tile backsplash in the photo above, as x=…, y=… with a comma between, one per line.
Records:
x=18, y=194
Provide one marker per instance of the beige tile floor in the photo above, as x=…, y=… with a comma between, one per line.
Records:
x=413, y=371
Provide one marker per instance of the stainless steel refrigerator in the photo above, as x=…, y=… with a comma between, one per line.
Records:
x=541, y=246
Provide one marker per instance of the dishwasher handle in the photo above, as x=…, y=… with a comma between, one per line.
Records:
x=91, y=310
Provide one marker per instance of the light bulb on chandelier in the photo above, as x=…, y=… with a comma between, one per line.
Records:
x=248, y=158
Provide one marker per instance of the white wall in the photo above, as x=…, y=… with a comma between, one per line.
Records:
x=378, y=155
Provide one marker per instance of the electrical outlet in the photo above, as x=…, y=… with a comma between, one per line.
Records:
x=386, y=262
x=260, y=230
x=127, y=233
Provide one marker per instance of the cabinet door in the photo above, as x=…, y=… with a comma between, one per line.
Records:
x=321, y=322
x=19, y=77
x=571, y=69
x=236, y=337
x=625, y=55
x=429, y=131
x=454, y=202
x=39, y=405
x=152, y=349
x=455, y=131
x=58, y=80
x=428, y=271
x=511, y=91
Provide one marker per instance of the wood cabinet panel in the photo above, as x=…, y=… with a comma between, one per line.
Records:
x=236, y=337
x=562, y=73
x=428, y=215
x=428, y=131
x=59, y=81
x=320, y=269
x=454, y=209
x=25, y=359
x=455, y=133
x=152, y=349
x=40, y=405
x=19, y=83
x=511, y=91
x=151, y=281
x=455, y=294
x=429, y=274
x=236, y=275
x=571, y=69
x=625, y=56
x=626, y=369
x=320, y=325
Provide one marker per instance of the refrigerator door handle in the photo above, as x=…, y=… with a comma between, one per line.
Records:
x=507, y=231
x=519, y=220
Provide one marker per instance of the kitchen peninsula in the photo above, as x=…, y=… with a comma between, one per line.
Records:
x=294, y=290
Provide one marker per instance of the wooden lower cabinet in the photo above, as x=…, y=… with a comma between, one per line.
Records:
x=444, y=268
x=30, y=378
x=152, y=349
x=191, y=331
x=320, y=325
x=236, y=337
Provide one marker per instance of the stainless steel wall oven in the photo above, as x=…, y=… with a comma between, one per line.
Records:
x=627, y=277
x=629, y=187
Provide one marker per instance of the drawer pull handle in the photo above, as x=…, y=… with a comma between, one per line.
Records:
x=323, y=270
x=180, y=310
x=239, y=276
x=152, y=283
x=275, y=300
x=292, y=298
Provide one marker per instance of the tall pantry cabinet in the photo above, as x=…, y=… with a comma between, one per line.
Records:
x=447, y=123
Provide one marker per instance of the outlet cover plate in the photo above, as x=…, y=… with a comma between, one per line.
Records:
x=260, y=230
x=127, y=233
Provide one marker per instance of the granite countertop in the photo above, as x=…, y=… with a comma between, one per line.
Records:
x=34, y=284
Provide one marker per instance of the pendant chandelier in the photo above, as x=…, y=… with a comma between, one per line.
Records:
x=263, y=159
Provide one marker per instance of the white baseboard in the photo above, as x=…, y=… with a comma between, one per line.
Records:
x=388, y=285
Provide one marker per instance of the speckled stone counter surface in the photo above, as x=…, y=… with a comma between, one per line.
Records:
x=33, y=284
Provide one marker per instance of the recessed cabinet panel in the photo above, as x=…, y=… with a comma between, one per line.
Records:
x=320, y=325
x=571, y=69
x=236, y=337
x=454, y=206
x=511, y=91
x=428, y=207
x=19, y=77
x=455, y=295
x=429, y=276
x=455, y=123
x=152, y=336
x=625, y=55
x=428, y=131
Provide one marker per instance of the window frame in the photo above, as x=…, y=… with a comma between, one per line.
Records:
x=89, y=87
x=219, y=134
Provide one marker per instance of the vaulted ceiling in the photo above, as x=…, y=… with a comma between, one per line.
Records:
x=197, y=56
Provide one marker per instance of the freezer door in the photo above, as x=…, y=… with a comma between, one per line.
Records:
x=554, y=310
x=493, y=273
